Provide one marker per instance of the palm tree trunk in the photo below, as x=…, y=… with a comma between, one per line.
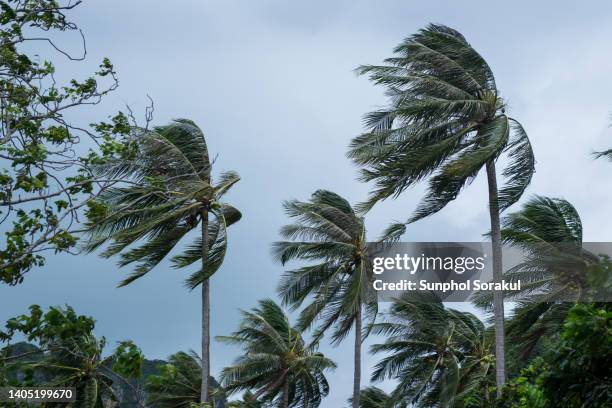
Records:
x=498, y=296
x=357, y=372
x=286, y=394
x=204, y=397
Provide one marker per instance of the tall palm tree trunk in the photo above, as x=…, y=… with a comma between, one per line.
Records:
x=204, y=397
x=357, y=372
x=286, y=394
x=498, y=296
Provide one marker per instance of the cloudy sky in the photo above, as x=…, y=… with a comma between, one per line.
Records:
x=271, y=83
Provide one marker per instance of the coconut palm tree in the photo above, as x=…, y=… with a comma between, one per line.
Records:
x=440, y=357
x=549, y=233
x=168, y=192
x=178, y=383
x=445, y=121
x=328, y=233
x=276, y=362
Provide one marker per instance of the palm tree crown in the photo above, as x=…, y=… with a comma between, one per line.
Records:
x=330, y=235
x=439, y=356
x=445, y=121
x=178, y=383
x=549, y=232
x=168, y=184
x=277, y=364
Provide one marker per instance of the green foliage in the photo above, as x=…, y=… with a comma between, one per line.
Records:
x=276, y=362
x=373, y=397
x=48, y=177
x=549, y=232
x=575, y=371
x=332, y=238
x=166, y=192
x=66, y=354
x=438, y=356
x=525, y=391
x=177, y=385
x=445, y=120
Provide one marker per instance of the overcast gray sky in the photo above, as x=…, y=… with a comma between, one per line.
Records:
x=271, y=84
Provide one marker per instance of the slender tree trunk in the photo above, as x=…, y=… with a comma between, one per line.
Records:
x=204, y=397
x=286, y=394
x=357, y=372
x=498, y=296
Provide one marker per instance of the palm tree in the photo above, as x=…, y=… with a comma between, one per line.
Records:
x=549, y=232
x=168, y=193
x=445, y=122
x=179, y=383
x=277, y=363
x=374, y=397
x=328, y=233
x=440, y=357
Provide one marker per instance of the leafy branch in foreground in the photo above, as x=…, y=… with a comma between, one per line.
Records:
x=46, y=180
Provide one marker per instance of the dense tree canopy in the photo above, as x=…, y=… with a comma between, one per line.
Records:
x=47, y=181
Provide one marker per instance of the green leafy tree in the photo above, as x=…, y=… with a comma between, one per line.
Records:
x=46, y=180
x=330, y=235
x=440, y=357
x=167, y=192
x=276, y=362
x=179, y=383
x=68, y=355
x=575, y=371
x=445, y=121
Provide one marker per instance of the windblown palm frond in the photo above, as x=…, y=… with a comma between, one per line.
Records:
x=178, y=383
x=554, y=271
x=276, y=364
x=606, y=153
x=444, y=122
x=332, y=237
x=374, y=397
x=167, y=186
x=439, y=357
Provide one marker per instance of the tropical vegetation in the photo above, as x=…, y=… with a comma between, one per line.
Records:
x=147, y=196
x=445, y=121
x=331, y=236
x=167, y=192
x=276, y=361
